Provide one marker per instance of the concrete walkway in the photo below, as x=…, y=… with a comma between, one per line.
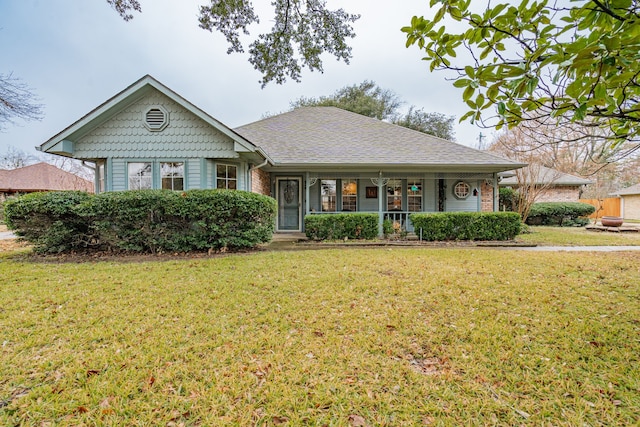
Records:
x=571, y=248
x=4, y=235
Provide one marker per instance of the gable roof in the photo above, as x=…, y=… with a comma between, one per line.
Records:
x=323, y=136
x=629, y=191
x=41, y=177
x=62, y=142
x=548, y=175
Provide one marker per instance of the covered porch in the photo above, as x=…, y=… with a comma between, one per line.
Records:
x=393, y=196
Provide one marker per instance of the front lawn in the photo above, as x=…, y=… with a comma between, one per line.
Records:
x=378, y=337
x=577, y=236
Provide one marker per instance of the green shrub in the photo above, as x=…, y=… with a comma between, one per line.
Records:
x=507, y=199
x=157, y=221
x=560, y=213
x=49, y=220
x=339, y=226
x=467, y=225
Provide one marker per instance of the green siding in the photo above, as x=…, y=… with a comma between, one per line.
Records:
x=124, y=135
x=192, y=171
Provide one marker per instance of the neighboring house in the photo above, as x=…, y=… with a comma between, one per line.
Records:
x=556, y=186
x=40, y=177
x=629, y=202
x=311, y=160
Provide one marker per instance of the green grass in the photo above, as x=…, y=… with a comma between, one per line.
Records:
x=390, y=337
x=577, y=236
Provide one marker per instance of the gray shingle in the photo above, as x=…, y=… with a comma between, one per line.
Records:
x=329, y=135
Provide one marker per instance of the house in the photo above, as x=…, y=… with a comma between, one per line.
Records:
x=40, y=177
x=630, y=202
x=555, y=186
x=311, y=160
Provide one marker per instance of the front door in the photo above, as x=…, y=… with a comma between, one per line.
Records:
x=289, y=206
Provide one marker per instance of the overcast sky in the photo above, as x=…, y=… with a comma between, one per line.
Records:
x=76, y=54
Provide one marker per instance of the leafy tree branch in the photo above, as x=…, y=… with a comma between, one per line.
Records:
x=517, y=63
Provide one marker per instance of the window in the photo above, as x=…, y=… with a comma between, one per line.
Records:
x=172, y=174
x=140, y=174
x=328, y=188
x=349, y=195
x=394, y=195
x=101, y=177
x=414, y=195
x=461, y=190
x=227, y=176
x=156, y=118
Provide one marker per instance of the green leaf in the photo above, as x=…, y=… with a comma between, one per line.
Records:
x=470, y=71
x=460, y=83
x=468, y=93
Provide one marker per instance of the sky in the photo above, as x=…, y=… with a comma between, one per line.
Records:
x=77, y=54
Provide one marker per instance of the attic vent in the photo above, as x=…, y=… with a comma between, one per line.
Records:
x=156, y=118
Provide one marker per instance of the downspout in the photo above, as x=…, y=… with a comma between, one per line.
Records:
x=253, y=168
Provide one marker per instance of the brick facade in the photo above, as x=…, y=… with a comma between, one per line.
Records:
x=486, y=190
x=260, y=182
x=631, y=204
x=560, y=194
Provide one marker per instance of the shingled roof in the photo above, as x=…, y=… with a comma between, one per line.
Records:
x=629, y=191
x=545, y=175
x=324, y=136
x=41, y=177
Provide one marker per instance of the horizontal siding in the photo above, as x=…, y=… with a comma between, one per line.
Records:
x=470, y=204
x=193, y=173
x=119, y=175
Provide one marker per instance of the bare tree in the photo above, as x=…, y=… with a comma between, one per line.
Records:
x=17, y=101
x=14, y=158
x=68, y=164
x=532, y=180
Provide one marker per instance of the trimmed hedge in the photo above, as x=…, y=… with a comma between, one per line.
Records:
x=144, y=220
x=560, y=213
x=467, y=225
x=48, y=220
x=340, y=226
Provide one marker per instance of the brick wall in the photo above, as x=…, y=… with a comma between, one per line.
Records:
x=560, y=194
x=486, y=190
x=260, y=182
x=632, y=206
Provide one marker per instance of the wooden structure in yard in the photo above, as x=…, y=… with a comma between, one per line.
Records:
x=609, y=206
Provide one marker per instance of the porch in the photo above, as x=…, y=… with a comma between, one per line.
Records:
x=394, y=197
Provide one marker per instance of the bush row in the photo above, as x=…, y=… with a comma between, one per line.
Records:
x=142, y=221
x=340, y=226
x=559, y=213
x=467, y=225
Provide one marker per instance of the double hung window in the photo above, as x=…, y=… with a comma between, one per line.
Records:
x=414, y=195
x=328, y=189
x=140, y=175
x=172, y=174
x=394, y=195
x=349, y=195
x=226, y=176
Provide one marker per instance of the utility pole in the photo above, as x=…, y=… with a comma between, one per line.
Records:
x=481, y=138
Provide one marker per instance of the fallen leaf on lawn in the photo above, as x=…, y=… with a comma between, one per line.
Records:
x=357, y=421
x=279, y=420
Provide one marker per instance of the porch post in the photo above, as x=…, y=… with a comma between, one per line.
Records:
x=380, y=206
x=306, y=194
x=496, y=194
